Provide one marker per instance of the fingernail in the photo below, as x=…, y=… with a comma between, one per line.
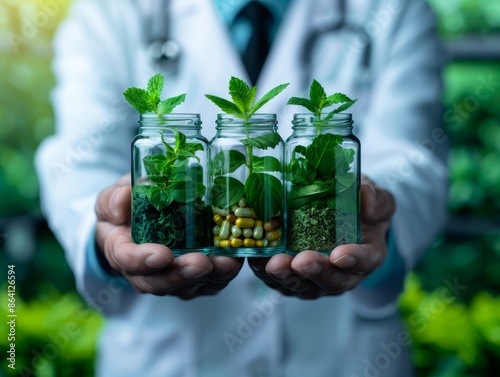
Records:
x=345, y=261
x=311, y=269
x=157, y=261
x=193, y=272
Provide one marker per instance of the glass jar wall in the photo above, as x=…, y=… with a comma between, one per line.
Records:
x=246, y=160
x=170, y=183
x=322, y=183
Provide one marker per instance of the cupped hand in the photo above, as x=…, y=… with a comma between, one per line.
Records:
x=310, y=275
x=152, y=268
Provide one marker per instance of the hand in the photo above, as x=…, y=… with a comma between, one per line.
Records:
x=310, y=275
x=152, y=268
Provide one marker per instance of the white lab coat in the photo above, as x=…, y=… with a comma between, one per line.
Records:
x=247, y=329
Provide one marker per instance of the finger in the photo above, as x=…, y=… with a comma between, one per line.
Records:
x=187, y=271
x=359, y=259
x=224, y=268
x=127, y=257
x=377, y=204
x=113, y=203
x=317, y=268
x=280, y=269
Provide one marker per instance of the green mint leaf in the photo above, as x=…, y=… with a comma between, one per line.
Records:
x=302, y=172
x=321, y=153
x=302, y=102
x=317, y=95
x=227, y=161
x=145, y=101
x=155, y=87
x=319, y=100
x=227, y=191
x=337, y=98
x=138, y=99
x=264, y=193
x=267, y=97
x=344, y=107
x=300, y=149
x=344, y=182
x=266, y=163
x=155, y=164
x=241, y=94
x=343, y=159
x=269, y=140
x=183, y=191
x=160, y=198
x=166, y=106
x=226, y=106
x=299, y=196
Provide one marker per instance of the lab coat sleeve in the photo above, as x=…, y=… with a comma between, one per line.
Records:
x=90, y=149
x=404, y=143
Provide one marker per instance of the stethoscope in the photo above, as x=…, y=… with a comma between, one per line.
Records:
x=165, y=52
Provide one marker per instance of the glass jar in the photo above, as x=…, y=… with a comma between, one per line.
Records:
x=247, y=197
x=170, y=183
x=322, y=183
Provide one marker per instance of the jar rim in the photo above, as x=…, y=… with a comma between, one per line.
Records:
x=339, y=120
x=256, y=120
x=188, y=120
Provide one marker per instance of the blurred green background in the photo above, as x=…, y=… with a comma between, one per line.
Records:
x=455, y=333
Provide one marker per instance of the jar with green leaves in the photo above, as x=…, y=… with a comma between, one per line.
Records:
x=246, y=172
x=169, y=183
x=322, y=158
x=169, y=173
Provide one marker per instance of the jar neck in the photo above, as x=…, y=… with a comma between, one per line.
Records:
x=308, y=123
x=154, y=123
x=231, y=124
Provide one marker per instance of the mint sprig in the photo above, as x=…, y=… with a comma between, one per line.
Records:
x=243, y=97
x=319, y=100
x=148, y=101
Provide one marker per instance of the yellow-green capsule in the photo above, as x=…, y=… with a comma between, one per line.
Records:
x=225, y=243
x=243, y=212
x=216, y=230
x=265, y=242
x=259, y=223
x=247, y=232
x=218, y=219
x=245, y=222
x=224, y=230
x=258, y=232
x=217, y=241
x=235, y=231
x=274, y=235
x=236, y=242
x=242, y=202
x=249, y=242
x=220, y=211
x=275, y=243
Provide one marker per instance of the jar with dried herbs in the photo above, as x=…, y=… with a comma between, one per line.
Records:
x=322, y=183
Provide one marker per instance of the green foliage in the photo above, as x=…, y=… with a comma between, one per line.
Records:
x=59, y=328
x=318, y=100
x=263, y=191
x=148, y=101
x=243, y=96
